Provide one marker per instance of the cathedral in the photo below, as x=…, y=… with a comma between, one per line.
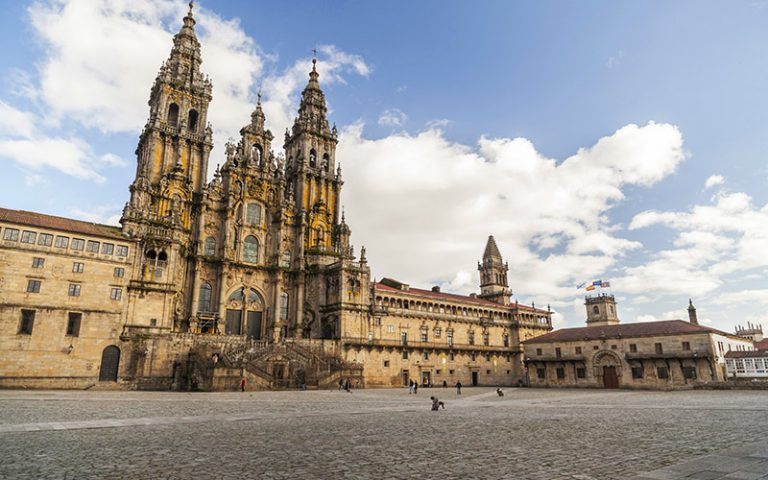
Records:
x=248, y=276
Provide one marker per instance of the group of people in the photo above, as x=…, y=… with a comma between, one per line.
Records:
x=413, y=387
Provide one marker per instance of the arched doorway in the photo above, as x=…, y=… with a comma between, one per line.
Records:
x=110, y=361
x=249, y=304
x=608, y=367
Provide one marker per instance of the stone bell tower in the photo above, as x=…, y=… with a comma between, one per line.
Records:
x=167, y=193
x=494, y=285
x=310, y=150
x=173, y=150
x=601, y=310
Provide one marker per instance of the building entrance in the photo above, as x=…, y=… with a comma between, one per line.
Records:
x=610, y=378
x=474, y=379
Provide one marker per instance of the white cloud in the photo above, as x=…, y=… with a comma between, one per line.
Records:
x=615, y=60
x=71, y=156
x=713, y=181
x=107, y=214
x=442, y=199
x=16, y=123
x=392, y=117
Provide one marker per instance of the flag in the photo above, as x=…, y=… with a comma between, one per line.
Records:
x=580, y=286
x=590, y=288
x=597, y=283
x=606, y=284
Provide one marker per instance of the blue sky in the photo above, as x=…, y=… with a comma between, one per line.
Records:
x=615, y=140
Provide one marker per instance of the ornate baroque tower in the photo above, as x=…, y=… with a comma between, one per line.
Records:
x=310, y=149
x=494, y=285
x=172, y=161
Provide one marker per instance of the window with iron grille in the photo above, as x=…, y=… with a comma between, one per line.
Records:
x=73, y=324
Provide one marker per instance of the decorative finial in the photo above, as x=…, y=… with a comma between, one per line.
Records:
x=314, y=60
x=191, y=6
x=342, y=215
x=259, y=97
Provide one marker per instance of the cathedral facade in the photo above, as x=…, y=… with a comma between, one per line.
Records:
x=248, y=275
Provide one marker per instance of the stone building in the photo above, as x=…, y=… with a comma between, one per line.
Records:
x=607, y=354
x=250, y=274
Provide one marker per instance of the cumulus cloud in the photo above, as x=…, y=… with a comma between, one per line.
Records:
x=713, y=181
x=392, y=117
x=728, y=236
x=16, y=123
x=442, y=199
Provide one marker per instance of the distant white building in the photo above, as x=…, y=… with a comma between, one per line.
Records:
x=749, y=364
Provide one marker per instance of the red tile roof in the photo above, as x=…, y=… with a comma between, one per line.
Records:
x=641, y=329
x=418, y=292
x=40, y=220
x=762, y=344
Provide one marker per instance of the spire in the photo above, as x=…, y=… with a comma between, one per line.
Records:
x=692, y=317
x=491, y=250
x=312, y=111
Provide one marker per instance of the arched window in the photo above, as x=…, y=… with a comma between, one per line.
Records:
x=326, y=161
x=286, y=261
x=284, y=306
x=253, y=214
x=173, y=115
x=595, y=310
x=192, y=121
x=162, y=256
x=204, y=304
x=209, y=249
x=251, y=249
x=151, y=254
x=312, y=158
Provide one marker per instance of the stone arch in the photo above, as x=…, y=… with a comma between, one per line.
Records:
x=606, y=358
x=192, y=118
x=110, y=362
x=173, y=115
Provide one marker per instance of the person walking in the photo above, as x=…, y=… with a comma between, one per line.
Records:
x=458, y=388
x=341, y=383
x=242, y=384
x=415, y=387
x=410, y=387
x=346, y=386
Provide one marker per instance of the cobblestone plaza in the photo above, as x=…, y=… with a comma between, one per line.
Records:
x=527, y=434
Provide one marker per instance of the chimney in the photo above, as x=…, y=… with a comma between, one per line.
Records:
x=436, y=289
x=692, y=313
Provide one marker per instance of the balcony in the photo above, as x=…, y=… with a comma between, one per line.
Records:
x=349, y=341
x=686, y=354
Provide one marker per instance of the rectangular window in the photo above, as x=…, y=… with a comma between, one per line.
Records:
x=487, y=357
x=116, y=294
x=390, y=328
x=558, y=352
x=450, y=372
x=452, y=356
x=689, y=373
x=74, y=290
x=61, y=242
x=659, y=348
x=662, y=372
x=11, y=234
x=637, y=372
x=581, y=373
x=283, y=306
x=27, y=322
x=119, y=272
x=424, y=336
x=92, y=247
x=107, y=248
x=541, y=373
x=404, y=338
x=386, y=363
x=73, y=324
x=578, y=350
x=686, y=345
x=405, y=354
x=473, y=356
x=614, y=347
x=77, y=244
x=633, y=348
x=121, y=251
x=560, y=373
x=426, y=355
x=77, y=267
x=33, y=286
x=538, y=351
x=449, y=335
x=720, y=347
x=471, y=338
x=28, y=237
x=45, y=239
x=486, y=338
x=38, y=262
x=506, y=340
x=438, y=332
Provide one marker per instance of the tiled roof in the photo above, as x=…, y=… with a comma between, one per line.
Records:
x=747, y=354
x=40, y=220
x=456, y=298
x=762, y=344
x=492, y=250
x=641, y=329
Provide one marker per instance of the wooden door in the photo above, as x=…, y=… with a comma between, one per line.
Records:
x=110, y=361
x=474, y=379
x=610, y=378
x=254, y=325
